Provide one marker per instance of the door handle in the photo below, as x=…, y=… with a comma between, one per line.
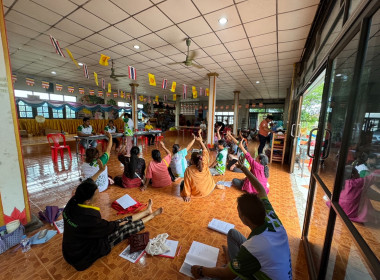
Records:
x=328, y=144
x=291, y=130
x=309, y=141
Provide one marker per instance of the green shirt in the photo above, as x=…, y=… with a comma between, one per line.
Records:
x=128, y=127
x=221, y=159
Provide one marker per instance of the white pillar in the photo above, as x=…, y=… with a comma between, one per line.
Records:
x=236, y=112
x=177, y=110
x=13, y=191
x=134, y=105
x=211, y=108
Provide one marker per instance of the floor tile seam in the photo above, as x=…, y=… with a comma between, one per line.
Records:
x=42, y=264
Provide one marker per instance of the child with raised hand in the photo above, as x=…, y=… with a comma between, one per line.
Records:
x=90, y=166
x=259, y=168
x=178, y=163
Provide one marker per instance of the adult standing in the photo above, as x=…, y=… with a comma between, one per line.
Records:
x=264, y=132
x=85, y=130
x=128, y=132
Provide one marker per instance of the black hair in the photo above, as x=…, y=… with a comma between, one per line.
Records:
x=175, y=148
x=196, y=159
x=85, y=191
x=252, y=208
x=127, y=115
x=110, y=121
x=362, y=158
x=270, y=117
x=133, y=161
x=91, y=154
x=264, y=162
x=222, y=142
x=156, y=155
x=86, y=119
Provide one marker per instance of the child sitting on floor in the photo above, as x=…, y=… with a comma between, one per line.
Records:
x=178, y=163
x=90, y=166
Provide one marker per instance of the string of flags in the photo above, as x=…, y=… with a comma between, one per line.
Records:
x=104, y=62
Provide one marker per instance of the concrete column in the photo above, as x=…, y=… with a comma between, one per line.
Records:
x=14, y=202
x=211, y=108
x=134, y=104
x=236, y=112
x=177, y=110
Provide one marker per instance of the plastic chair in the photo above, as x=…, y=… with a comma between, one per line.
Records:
x=143, y=139
x=55, y=138
x=160, y=137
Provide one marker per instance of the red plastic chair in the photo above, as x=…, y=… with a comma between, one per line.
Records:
x=55, y=138
x=143, y=139
x=160, y=137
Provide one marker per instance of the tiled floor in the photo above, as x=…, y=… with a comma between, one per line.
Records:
x=52, y=184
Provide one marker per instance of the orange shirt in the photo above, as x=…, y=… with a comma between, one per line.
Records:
x=262, y=131
x=198, y=184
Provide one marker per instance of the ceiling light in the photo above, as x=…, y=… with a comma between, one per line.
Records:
x=136, y=47
x=80, y=63
x=257, y=82
x=53, y=72
x=338, y=75
x=223, y=21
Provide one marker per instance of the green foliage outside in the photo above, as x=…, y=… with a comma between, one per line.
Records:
x=111, y=102
x=311, y=107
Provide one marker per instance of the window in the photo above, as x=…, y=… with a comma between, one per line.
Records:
x=24, y=110
x=57, y=114
x=122, y=104
x=43, y=111
x=22, y=93
x=57, y=97
x=140, y=106
x=69, y=98
x=70, y=114
x=42, y=95
x=226, y=117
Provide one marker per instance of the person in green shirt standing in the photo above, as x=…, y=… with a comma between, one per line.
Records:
x=265, y=254
x=128, y=132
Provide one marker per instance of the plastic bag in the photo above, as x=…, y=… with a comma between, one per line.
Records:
x=157, y=245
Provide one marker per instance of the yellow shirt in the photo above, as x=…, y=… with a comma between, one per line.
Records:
x=148, y=127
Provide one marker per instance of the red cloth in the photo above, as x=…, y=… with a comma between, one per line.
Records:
x=130, y=210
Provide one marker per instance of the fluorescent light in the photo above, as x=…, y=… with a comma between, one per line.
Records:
x=257, y=82
x=53, y=72
x=80, y=63
x=136, y=47
x=223, y=21
x=338, y=75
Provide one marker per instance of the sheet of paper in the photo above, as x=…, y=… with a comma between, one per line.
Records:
x=204, y=251
x=132, y=257
x=126, y=201
x=172, y=244
x=225, y=183
x=220, y=226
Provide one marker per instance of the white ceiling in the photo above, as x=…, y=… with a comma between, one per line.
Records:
x=260, y=42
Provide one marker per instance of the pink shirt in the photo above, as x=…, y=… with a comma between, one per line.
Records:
x=258, y=170
x=158, y=172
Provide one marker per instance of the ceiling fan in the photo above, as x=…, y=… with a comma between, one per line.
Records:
x=113, y=75
x=189, y=58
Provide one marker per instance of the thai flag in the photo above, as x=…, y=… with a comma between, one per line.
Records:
x=184, y=92
x=103, y=84
x=55, y=44
x=200, y=91
x=132, y=73
x=164, y=83
x=85, y=71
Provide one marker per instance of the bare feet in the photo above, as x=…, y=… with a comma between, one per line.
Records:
x=150, y=203
x=158, y=212
x=220, y=187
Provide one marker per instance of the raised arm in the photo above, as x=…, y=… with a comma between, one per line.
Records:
x=217, y=132
x=199, y=139
x=101, y=169
x=190, y=144
x=166, y=150
x=109, y=145
x=233, y=139
x=241, y=146
x=255, y=183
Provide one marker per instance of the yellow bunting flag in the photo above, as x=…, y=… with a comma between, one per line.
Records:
x=174, y=97
x=72, y=57
x=173, y=86
x=109, y=88
x=156, y=98
x=207, y=92
x=96, y=79
x=195, y=93
x=152, y=79
x=121, y=94
x=141, y=98
x=103, y=60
